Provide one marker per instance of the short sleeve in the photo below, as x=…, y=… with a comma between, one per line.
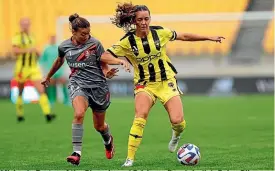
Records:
x=168, y=35
x=16, y=41
x=61, y=52
x=118, y=50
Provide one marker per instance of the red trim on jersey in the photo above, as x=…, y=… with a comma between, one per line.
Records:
x=138, y=86
x=81, y=57
x=14, y=83
x=108, y=96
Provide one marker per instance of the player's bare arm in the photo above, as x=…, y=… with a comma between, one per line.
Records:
x=105, y=68
x=56, y=65
x=108, y=58
x=18, y=51
x=195, y=37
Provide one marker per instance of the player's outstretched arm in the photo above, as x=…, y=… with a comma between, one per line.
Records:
x=195, y=37
x=55, y=67
x=108, y=58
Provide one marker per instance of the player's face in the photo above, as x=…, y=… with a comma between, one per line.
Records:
x=142, y=20
x=82, y=35
x=25, y=24
x=52, y=40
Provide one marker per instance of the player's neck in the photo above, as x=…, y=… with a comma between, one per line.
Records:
x=142, y=34
x=75, y=42
x=25, y=32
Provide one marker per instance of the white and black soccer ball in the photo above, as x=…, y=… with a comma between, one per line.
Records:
x=189, y=154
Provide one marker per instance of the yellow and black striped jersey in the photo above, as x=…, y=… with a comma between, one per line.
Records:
x=147, y=55
x=25, y=41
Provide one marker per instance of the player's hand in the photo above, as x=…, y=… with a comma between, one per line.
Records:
x=46, y=82
x=217, y=39
x=111, y=73
x=125, y=65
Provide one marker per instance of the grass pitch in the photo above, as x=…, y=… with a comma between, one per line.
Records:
x=231, y=132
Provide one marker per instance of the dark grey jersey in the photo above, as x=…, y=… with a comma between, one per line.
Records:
x=84, y=62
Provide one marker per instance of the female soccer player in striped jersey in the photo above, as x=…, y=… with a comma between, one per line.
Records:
x=27, y=68
x=154, y=74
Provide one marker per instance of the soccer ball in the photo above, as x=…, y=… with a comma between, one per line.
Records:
x=189, y=154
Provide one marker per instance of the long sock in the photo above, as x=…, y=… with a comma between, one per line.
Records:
x=65, y=94
x=106, y=135
x=19, y=106
x=51, y=91
x=77, y=134
x=178, y=128
x=135, y=137
x=44, y=103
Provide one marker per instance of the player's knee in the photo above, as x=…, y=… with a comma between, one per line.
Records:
x=79, y=115
x=177, y=119
x=141, y=113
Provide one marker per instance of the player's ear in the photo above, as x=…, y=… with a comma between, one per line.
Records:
x=73, y=32
x=149, y=20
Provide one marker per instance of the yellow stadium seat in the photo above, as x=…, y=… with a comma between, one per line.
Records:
x=268, y=41
x=43, y=15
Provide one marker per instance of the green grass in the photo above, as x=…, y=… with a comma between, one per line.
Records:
x=232, y=133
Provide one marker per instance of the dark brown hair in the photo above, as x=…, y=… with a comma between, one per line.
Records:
x=77, y=22
x=125, y=15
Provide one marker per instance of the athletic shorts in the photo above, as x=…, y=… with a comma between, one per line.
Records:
x=28, y=73
x=98, y=97
x=162, y=90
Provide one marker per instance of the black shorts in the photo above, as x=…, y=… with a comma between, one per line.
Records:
x=98, y=97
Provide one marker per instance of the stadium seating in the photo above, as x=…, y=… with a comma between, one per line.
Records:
x=44, y=13
x=268, y=41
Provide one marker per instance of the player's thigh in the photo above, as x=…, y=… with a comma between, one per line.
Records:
x=169, y=95
x=143, y=104
x=61, y=80
x=21, y=75
x=39, y=87
x=79, y=102
x=53, y=82
x=174, y=108
x=20, y=86
x=36, y=77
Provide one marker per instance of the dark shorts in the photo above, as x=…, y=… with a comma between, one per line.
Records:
x=98, y=97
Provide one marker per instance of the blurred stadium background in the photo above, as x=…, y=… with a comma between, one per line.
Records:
x=242, y=65
x=248, y=26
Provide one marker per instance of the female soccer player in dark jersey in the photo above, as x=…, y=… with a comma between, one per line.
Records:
x=88, y=86
x=154, y=74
